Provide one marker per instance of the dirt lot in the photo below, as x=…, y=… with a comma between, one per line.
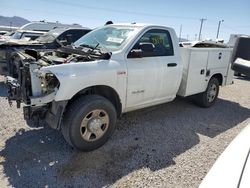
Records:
x=171, y=145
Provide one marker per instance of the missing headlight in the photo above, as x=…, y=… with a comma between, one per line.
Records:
x=49, y=82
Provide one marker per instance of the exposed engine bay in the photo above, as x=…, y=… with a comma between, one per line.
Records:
x=67, y=54
x=37, y=88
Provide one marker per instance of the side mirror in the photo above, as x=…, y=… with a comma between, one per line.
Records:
x=147, y=47
x=136, y=53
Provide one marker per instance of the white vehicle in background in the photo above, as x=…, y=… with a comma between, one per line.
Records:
x=241, y=56
x=203, y=44
x=6, y=36
x=26, y=35
x=21, y=36
x=47, y=26
x=3, y=32
x=114, y=69
x=233, y=38
x=232, y=168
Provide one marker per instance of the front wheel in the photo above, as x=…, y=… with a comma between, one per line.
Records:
x=89, y=122
x=208, y=97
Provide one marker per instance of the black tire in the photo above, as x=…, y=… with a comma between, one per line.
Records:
x=77, y=112
x=206, y=100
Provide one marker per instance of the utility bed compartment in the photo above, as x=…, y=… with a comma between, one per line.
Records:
x=199, y=64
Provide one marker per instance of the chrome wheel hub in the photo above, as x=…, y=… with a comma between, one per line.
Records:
x=94, y=124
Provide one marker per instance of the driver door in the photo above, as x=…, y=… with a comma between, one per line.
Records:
x=145, y=74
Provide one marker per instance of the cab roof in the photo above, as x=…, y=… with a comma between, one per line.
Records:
x=139, y=25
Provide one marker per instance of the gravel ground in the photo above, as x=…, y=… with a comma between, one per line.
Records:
x=170, y=145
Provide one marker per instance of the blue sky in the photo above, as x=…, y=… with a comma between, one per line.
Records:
x=93, y=13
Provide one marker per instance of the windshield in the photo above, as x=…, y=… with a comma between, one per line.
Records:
x=108, y=38
x=17, y=35
x=50, y=36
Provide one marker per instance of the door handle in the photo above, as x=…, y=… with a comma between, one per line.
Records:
x=172, y=64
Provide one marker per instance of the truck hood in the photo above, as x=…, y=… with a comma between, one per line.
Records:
x=74, y=69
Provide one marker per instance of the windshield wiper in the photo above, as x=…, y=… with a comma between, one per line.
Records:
x=89, y=54
x=92, y=48
x=87, y=46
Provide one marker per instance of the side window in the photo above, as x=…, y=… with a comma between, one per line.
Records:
x=155, y=42
x=62, y=36
x=71, y=35
x=76, y=34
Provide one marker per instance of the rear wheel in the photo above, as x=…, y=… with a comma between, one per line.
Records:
x=89, y=122
x=208, y=97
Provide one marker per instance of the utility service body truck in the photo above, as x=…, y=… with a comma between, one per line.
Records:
x=83, y=88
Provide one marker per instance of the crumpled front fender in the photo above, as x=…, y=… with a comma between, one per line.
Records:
x=74, y=77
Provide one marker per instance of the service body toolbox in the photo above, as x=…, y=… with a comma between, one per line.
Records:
x=198, y=66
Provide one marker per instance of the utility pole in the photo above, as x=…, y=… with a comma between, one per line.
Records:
x=10, y=26
x=202, y=20
x=180, y=33
x=218, y=30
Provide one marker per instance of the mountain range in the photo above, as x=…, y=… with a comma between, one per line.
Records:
x=14, y=21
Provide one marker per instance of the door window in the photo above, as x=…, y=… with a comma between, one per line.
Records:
x=159, y=39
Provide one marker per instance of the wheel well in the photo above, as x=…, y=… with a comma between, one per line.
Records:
x=104, y=91
x=219, y=77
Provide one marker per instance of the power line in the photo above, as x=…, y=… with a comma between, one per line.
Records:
x=79, y=5
x=218, y=30
x=180, y=33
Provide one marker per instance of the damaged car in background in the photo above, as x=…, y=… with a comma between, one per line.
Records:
x=49, y=41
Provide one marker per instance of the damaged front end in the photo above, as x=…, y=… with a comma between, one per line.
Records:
x=36, y=89
x=33, y=84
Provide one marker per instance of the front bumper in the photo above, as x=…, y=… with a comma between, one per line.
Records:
x=37, y=108
x=27, y=89
x=14, y=91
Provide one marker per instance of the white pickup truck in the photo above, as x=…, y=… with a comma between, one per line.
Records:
x=83, y=88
